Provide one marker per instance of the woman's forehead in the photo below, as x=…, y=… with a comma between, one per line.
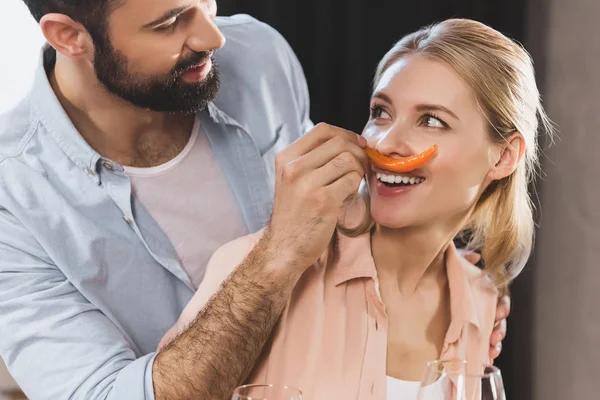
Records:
x=419, y=79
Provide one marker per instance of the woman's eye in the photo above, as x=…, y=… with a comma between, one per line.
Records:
x=377, y=112
x=431, y=121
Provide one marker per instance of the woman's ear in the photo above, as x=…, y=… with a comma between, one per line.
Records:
x=511, y=153
x=65, y=35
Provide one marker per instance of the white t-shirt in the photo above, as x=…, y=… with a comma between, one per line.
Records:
x=398, y=389
x=191, y=200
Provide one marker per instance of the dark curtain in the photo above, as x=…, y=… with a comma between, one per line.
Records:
x=339, y=43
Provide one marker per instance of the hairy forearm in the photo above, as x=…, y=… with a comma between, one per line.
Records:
x=220, y=347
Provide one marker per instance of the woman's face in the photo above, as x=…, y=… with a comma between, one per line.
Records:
x=420, y=102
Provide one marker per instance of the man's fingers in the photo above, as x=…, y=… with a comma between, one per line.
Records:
x=499, y=333
x=495, y=351
x=470, y=256
x=338, y=167
x=329, y=150
x=502, y=309
x=344, y=186
x=316, y=137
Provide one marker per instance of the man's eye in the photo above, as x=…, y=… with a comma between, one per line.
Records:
x=169, y=25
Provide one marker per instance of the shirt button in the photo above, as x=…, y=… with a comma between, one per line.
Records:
x=91, y=172
x=127, y=219
x=376, y=325
x=108, y=165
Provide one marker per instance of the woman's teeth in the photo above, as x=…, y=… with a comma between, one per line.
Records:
x=399, y=179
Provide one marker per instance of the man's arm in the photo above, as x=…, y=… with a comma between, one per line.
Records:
x=222, y=344
x=499, y=333
x=56, y=344
x=220, y=266
x=218, y=350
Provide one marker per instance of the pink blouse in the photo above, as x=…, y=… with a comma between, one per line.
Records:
x=331, y=342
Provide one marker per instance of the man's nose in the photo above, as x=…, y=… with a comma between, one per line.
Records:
x=205, y=35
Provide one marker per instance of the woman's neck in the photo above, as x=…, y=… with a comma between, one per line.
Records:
x=410, y=256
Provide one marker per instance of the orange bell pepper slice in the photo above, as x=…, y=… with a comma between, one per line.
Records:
x=405, y=164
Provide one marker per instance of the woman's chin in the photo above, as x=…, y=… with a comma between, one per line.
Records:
x=391, y=221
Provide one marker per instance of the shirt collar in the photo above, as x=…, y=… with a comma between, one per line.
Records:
x=463, y=306
x=354, y=260
x=55, y=120
x=219, y=116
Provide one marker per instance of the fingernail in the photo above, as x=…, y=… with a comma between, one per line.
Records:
x=362, y=141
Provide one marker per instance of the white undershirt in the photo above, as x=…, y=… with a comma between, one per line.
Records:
x=398, y=389
x=190, y=198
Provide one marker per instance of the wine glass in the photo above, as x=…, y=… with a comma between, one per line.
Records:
x=266, y=392
x=458, y=380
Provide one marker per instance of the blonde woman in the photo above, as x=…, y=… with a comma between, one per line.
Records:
x=392, y=293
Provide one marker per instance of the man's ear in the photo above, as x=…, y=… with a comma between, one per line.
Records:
x=66, y=36
x=511, y=153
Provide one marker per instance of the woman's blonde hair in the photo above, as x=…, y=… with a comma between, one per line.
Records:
x=500, y=73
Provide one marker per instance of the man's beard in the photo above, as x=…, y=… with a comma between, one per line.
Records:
x=167, y=93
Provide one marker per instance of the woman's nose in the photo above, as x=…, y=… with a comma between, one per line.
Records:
x=393, y=143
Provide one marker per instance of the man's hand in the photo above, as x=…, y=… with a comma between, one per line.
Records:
x=502, y=312
x=499, y=333
x=471, y=256
x=314, y=176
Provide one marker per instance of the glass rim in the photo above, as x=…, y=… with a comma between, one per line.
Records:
x=489, y=369
x=265, y=385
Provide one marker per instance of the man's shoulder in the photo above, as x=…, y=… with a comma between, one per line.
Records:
x=243, y=24
x=263, y=86
x=252, y=47
x=247, y=34
x=16, y=127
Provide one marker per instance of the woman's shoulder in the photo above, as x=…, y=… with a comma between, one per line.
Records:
x=242, y=244
x=227, y=258
x=484, y=296
x=231, y=254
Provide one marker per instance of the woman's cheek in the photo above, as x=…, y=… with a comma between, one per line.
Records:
x=447, y=164
x=463, y=168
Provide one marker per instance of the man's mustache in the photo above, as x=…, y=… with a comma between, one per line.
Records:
x=191, y=61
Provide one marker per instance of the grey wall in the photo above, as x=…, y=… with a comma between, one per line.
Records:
x=566, y=317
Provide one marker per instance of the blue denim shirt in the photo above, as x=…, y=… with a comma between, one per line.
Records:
x=89, y=283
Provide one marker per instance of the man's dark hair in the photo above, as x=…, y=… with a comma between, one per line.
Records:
x=92, y=14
